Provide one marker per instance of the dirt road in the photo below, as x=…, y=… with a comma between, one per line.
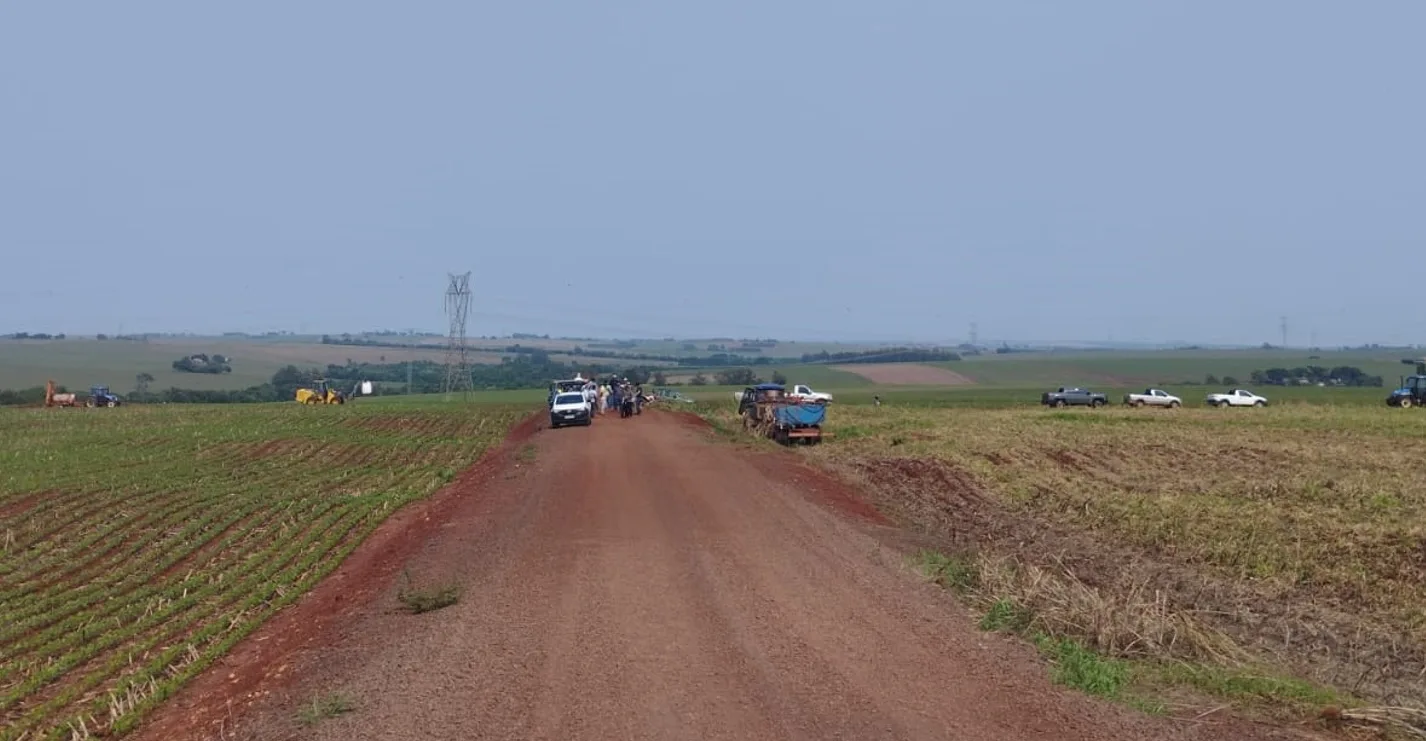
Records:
x=638, y=580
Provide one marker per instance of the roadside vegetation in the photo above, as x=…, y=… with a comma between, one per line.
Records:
x=1272, y=560
x=418, y=600
x=323, y=707
x=138, y=545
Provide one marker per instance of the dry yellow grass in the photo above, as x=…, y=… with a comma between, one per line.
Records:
x=1294, y=536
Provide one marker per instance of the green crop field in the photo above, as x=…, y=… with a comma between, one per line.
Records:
x=138, y=544
x=1262, y=558
x=81, y=363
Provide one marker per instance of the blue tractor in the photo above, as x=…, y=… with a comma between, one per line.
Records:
x=99, y=396
x=1412, y=392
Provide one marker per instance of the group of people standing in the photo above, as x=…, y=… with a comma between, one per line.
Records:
x=615, y=394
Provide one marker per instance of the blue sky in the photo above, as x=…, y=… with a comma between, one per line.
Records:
x=797, y=169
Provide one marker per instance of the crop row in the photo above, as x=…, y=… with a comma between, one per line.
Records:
x=180, y=532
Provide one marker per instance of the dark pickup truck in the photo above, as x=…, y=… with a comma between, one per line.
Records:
x=1073, y=397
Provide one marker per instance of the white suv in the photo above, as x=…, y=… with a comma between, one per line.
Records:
x=571, y=408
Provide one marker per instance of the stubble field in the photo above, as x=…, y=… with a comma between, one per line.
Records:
x=137, y=545
x=1272, y=559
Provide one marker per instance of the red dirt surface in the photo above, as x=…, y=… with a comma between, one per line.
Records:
x=638, y=580
x=21, y=505
x=907, y=374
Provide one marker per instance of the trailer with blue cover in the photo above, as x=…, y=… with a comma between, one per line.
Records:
x=766, y=410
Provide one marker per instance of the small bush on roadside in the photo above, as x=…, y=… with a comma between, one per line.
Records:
x=323, y=707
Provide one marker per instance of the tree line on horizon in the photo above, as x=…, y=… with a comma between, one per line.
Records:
x=718, y=355
x=1342, y=375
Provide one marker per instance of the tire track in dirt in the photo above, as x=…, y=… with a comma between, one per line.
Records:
x=641, y=581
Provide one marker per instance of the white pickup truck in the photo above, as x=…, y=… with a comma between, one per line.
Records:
x=804, y=391
x=1236, y=398
x=1153, y=398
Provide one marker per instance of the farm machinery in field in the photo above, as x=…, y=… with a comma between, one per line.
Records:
x=767, y=410
x=1412, y=389
x=99, y=396
x=55, y=398
x=322, y=393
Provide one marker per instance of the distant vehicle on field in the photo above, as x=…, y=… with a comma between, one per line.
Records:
x=99, y=396
x=662, y=394
x=803, y=391
x=319, y=393
x=1237, y=398
x=1153, y=398
x=1073, y=396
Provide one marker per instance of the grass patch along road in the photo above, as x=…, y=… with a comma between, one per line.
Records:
x=137, y=545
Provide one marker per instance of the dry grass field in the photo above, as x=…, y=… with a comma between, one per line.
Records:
x=1273, y=558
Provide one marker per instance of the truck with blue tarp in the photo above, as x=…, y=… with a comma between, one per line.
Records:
x=767, y=410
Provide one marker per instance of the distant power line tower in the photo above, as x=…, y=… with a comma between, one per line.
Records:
x=974, y=335
x=457, y=354
x=1284, y=331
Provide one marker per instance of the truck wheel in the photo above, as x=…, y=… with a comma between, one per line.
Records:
x=1059, y=403
x=1095, y=403
x=1138, y=403
x=1173, y=405
x=1258, y=404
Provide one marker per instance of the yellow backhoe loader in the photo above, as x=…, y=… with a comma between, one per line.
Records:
x=320, y=393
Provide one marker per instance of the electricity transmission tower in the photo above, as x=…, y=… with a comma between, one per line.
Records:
x=1283, y=321
x=457, y=354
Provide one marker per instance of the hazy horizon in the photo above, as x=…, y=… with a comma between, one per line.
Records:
x=1165, y=172
x=430, y=337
